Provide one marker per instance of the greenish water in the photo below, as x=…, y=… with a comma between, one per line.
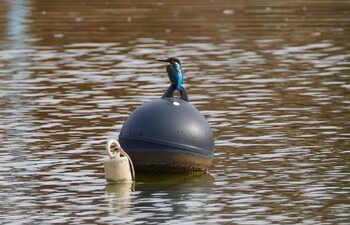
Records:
x=271, y=77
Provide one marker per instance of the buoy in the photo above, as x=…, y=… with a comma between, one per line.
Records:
x=168, y=135
x=118, y=168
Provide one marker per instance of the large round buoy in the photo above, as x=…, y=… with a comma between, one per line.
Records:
x=168, y=135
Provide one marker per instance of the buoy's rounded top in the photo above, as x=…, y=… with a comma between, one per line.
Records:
x=170, y=122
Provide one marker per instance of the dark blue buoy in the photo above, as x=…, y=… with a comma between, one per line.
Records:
x=168, y=135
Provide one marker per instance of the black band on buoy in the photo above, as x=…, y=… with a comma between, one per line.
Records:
x=170, y=93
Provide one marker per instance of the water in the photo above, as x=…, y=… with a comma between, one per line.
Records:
x=272, y=78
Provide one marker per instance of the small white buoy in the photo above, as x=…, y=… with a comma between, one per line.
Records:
x=118, y=168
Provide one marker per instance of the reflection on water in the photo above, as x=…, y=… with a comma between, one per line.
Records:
x=271, y=78
x=190, y=194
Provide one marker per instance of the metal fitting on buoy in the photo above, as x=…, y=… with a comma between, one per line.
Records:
x=119, y=167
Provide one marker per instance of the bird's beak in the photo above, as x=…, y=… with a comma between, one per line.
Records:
x=162, y=60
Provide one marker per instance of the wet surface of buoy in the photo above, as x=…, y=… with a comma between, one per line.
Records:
x=168, y=134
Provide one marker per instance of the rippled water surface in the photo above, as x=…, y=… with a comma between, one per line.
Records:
x=271, y=77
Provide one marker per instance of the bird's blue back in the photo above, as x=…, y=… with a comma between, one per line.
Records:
x=175, y=75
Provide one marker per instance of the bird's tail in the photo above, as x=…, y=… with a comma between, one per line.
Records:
x=178, y=87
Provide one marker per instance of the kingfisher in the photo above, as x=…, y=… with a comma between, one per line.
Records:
x=174, y=71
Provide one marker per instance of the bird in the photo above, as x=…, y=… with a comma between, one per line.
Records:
x=174, y=71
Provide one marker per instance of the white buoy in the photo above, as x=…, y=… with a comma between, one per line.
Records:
x=119, y=167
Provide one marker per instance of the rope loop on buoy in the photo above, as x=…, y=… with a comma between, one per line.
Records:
x=118, y=151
